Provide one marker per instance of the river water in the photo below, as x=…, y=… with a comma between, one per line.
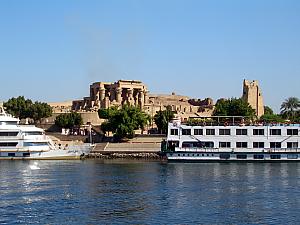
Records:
x=139, y=192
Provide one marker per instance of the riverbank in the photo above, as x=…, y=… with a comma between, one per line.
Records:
x=128, y=155
x=137, y=148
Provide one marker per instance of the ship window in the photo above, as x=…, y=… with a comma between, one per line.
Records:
x=275, y=156
x=275, y=132
x=33, y=133
x=11, y=154
x=292, y=156
x=191, y=144
x=292, y=145
x=174, y=131
x=198, y=131
x=197, y=154
x=210, y=131
x=258, y=132
x=241, y=131
x=173, y=144
x=224, y=132
x=8, y=144
x=202, y=154
x=9, y=122
x=275, y=144
x=224, y=144
x=258, y=156
x=207, y=144
x=186, y=131
x=258, y=144
x=27, y=144
x=183, y=154
x=292, y=131
x=8, y=134
x=178, y=154
x=241, y=156
x=224, y=156
x=241, y=144
x=26, y=154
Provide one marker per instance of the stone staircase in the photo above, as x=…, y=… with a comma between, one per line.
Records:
x=100, y=147
x=145, y=147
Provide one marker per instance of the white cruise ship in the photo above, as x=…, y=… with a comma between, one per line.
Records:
x=29, y=142
x=232, y=142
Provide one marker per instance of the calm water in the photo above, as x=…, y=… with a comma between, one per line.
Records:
x=136, y=192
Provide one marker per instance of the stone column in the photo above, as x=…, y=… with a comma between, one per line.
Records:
x=136, y=99
x=97, y=96
x=106, y=102
x=141, y=99
x=119, y=95
x=101, y=94
x=146, y=98
x=130, y=96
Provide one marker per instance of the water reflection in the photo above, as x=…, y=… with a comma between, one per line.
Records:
x=95, y=191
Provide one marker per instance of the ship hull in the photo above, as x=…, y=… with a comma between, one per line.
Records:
x=75, y=152
x=232, y=157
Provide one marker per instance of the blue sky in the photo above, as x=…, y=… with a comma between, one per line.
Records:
x=53, y=50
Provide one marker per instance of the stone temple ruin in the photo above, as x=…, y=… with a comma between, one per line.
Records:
x=106, y=94
x=252, y=94
x=132, y=92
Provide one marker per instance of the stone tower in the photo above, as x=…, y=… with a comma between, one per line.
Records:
x=252, y=94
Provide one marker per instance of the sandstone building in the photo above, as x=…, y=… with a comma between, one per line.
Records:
x=252, y=94
x=133, y=92
x=106, y=94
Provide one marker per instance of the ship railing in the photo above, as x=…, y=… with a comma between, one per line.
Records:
x=232, y=121
x=264, y=150
x=10, y=138
x=36, y=137
x=189, y=149
x=282, y=150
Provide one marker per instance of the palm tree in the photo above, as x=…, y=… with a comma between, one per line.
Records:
x=290, y=106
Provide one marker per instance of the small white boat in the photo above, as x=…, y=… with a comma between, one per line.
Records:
x=231, y=141
x=30, y=142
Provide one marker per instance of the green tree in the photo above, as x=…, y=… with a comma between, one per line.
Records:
x=233, y=107
x=68, y=120
x=122, y=122
x=268, y=110
x=289, y=107
x=25, y=108
x=19, y=107
x=162, y=118
x=297, y=117
x=40, y=110
x=271, y=118
x=222, y=107
x=107, y=113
